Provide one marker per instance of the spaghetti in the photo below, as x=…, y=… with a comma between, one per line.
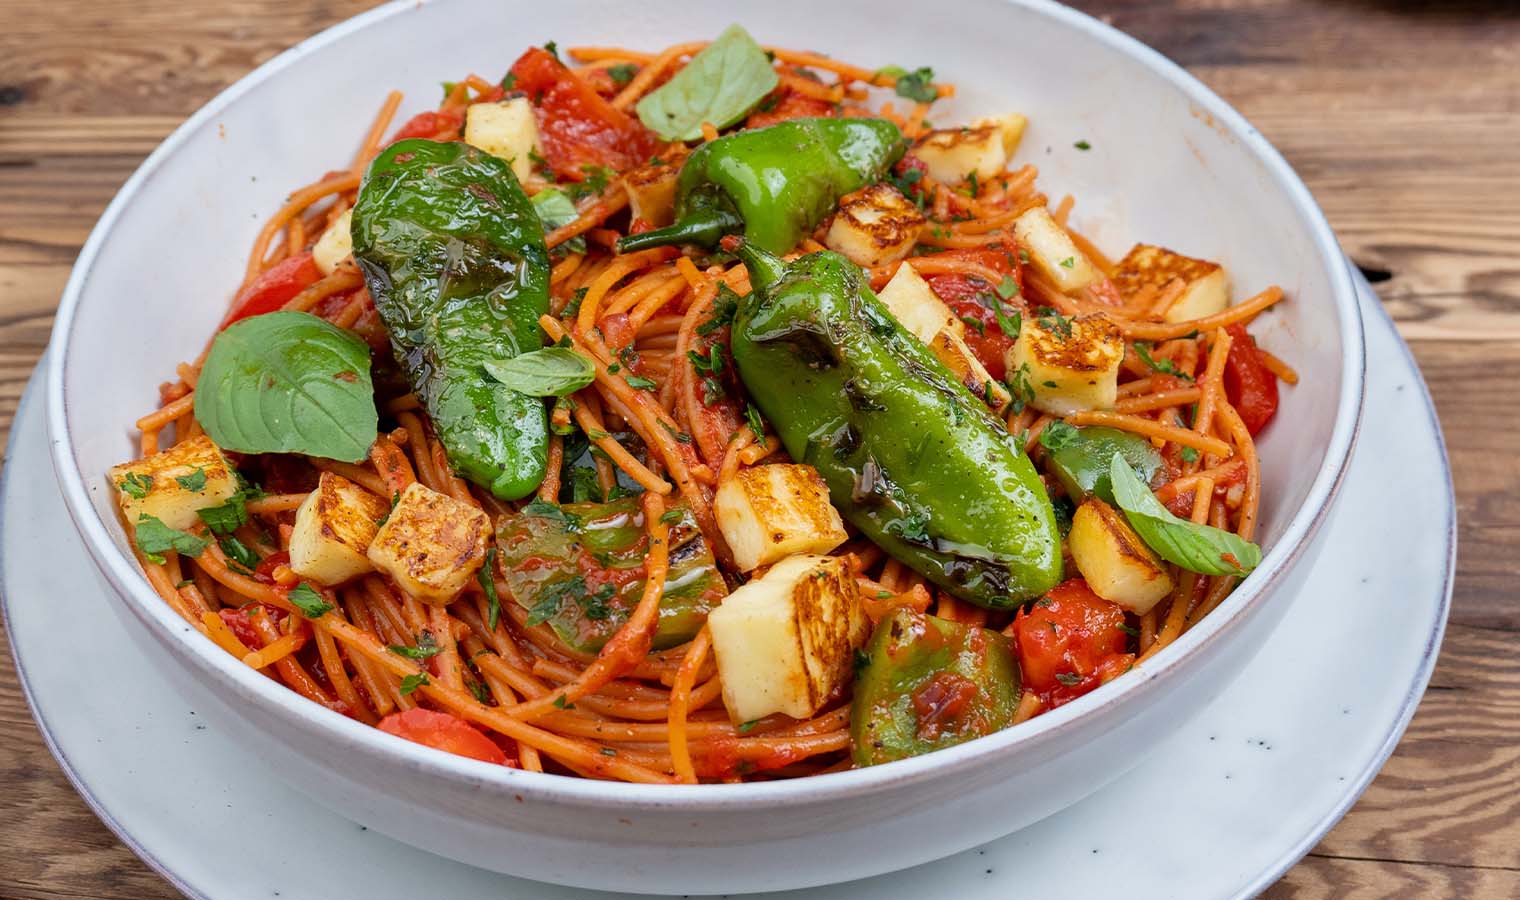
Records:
x=629, y=713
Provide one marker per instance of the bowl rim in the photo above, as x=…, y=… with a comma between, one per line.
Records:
x=125, y=576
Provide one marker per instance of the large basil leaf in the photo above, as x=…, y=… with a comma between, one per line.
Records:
x=288, y=382
x=719, y=85
x=550, y=372
x=1197, y=548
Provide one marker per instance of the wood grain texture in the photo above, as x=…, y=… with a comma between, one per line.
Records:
x=1403, y=118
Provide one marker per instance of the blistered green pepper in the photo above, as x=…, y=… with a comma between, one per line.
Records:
x=580, y=568
x=911, y=457
x=1081, y=460
x=774, y=183
x=926, y=683
x=453, y=253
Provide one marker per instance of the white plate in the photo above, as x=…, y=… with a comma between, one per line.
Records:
x=1241, y=793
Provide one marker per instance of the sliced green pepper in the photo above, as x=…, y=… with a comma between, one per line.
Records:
x=580, y=568
x=774, y=183
x=453, y=253
x=927, y=683
x=1081, y=462
x=911, y=457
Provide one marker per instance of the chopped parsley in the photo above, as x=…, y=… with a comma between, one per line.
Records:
x=640, y=383
x=1129, y=629
x=1069, y=262
x=238, y=552
x=412, y=682
x=1069, y=679
x=749, y=726
x=752, y=418
x=308, y=601
x=671, y=516
x=1082, y=145
x=725, y=305
x=1164, y=366
x=1058, y=434
x=229, y=516
x=1019, y=387
x=543, y=509
x=426, y=647
x=595, y=605
x=487, y=578
x=917, y=85
x=1189, y=455
x=481, y=692
x=1008, y=288
x=552, y=598
x=195, y=481
x=561, y=703
x=1054, y=322
x=154, y=539
x=622, y=73
x=135, y=485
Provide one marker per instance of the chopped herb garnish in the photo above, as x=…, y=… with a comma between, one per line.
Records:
x=747, y=727
x=1069, y=262
x=1164, y=366
x=238, y=552
x=154, y=539
x=195, y=481
x=560, y=703
x=1058, y=434
x=622, y=73
x=135, y=485
x=228, y=517
x=1008, y=288
x=640, y=383
x=412, y=682
x=426, y=647
x=671, y=516
x=752, y=418
x=861, y=659
x=308, y=601
x=1069, y=678
x=1189, y=455
x=479, y=689
x=1019, y=387
x=1082, y=145
x=487, y=578
x=546, y=510
x=1129, y=629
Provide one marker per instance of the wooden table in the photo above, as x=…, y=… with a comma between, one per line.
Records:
x=1404, y=120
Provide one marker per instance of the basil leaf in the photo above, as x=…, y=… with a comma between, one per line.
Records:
x=719, y=86
x=556, y=210
x=550, y=372
x=1197, y=548
x=288, y=382
x=154, y=539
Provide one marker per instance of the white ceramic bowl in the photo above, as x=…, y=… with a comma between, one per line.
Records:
x=1169, y=163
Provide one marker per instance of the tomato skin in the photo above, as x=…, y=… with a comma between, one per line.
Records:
x=274, y=287
x=1248, y=383
x=1071, y=634
x=789, y=105
x=967, y=297
x=445, y=732
x=578, y=126
x=428, y=124
x=237, y=622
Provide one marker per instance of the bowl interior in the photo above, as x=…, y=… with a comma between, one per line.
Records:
x=1167, y=164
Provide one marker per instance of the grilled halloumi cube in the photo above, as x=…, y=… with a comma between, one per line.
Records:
x=951, y=350
x=1010, y=128
x=785, y=642
x=875, y=225
x=910, y=300
x=652, y=190
x=1069, y=364
x=336, y=243
x=334, y=527
x=1115, y=562
x=951, y=154
x=1053, y=252
x=1207, y=285
x=172, y=484
x=431, y=545
x=506, y=128
x=767, y=513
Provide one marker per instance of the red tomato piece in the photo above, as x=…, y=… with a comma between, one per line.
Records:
x=428, y=124
x=971, y=298
x=1248, y=383
x=274, y=286
x=1069, y=642
x=264, y=571
x=445, y=732
x=579, y=128
x=237, y=622
x=785, y=103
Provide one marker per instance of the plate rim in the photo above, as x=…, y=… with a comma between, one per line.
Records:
x=1279, y=560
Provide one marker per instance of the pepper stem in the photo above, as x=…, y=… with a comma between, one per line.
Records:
x=765, y=269
x=703, y=227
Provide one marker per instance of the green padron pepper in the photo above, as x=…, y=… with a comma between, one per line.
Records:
x=580, y=568
x=926, y=683
x=1081, y=462
x=453, y=253
x=774, y=183
x=911, y=457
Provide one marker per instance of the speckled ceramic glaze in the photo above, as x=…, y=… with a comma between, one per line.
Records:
x=1169, y=163
x=1241, y=792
